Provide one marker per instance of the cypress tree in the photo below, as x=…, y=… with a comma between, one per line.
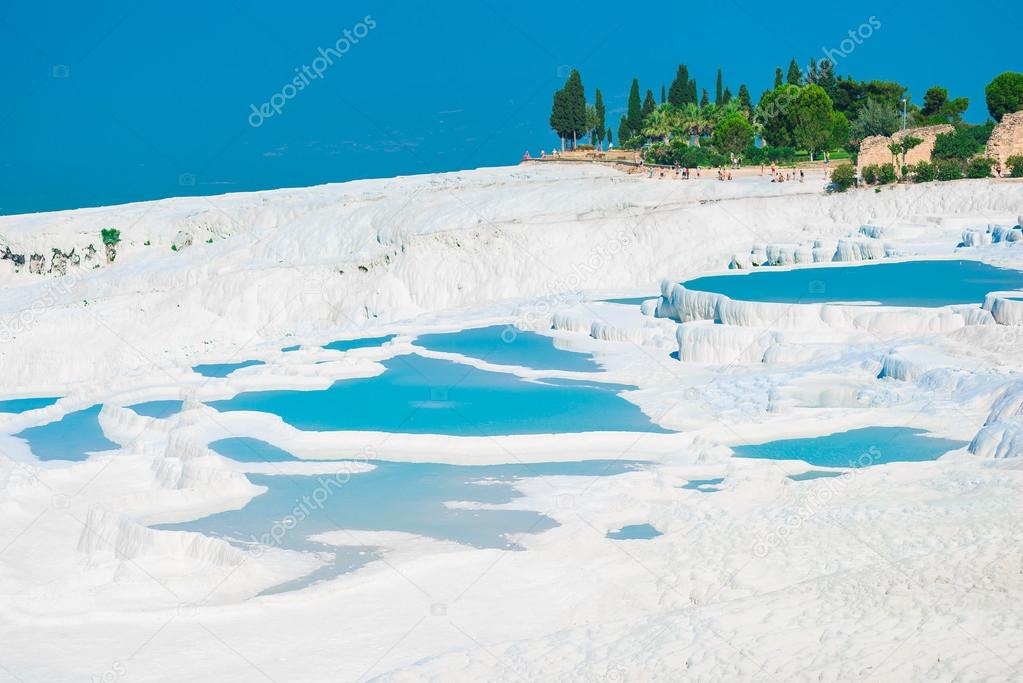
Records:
x=727, y=97
x=634, y=114
x=598, y=106
x=609, y=138
x=649, y=104
x=777, y=78
x=623, y=131
x=692, y=92
x=663, y=98
x=811, y=75
x=705, y=99
x=678, y=93
x=795, y=76
x=559, y=121
x=826, y=77
x=575, y=106
x=718, y=94
x=744, y=99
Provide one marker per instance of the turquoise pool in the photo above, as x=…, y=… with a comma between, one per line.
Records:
x=420, y=395
x=855, y=448
x=22, y=405
x=161, y=409
x=634, y=532
x=73, y=437
x=507, y=345
x=365, y=342
x=927, y=284
x=223, y=369
x=405, y=497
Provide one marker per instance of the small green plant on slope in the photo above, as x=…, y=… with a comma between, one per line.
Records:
x=843, y=177
x=1015, y=164
x=110, y=236
x=979, y=167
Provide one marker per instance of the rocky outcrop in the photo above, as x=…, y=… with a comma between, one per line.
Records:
x=1006, y=139
x=17, y=259
x=874, y=150
x=181, y=241
x=59, y=261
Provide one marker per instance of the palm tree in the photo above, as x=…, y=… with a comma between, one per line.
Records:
x=691, y=121
x=660, y=123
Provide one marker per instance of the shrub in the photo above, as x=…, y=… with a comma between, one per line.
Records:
x=950, y=169
x=979, y=167
x=685, y=155
x=110, y=235
x=870, y=174
x=924, y=172
x=1015, y=164
x=960, y=145
x=980, y=134
x=887, y=175
x=843, y=177
x=584, y=147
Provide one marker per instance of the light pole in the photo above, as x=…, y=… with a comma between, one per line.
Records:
x=905, y=113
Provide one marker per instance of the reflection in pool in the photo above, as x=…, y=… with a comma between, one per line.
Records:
x=223, y=369
x=507, y=345
x=418, y=395
x=908, y=283
x=73, y=437
x=855, y=448
x=406, y=497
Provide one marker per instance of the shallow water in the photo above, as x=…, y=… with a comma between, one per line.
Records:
x=629, y=300
x=161, y=409
x=925, y=284
x=404, y=497
x=223, y=369
x=507, y=345
x=365, y=342
x=73, y=437
x=814, y=474
x=634, y=532
x=703, y=485
x=418, y=395
x=855, y=448
x=22, y=405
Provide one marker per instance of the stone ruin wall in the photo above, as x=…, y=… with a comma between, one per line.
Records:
x=1006, y=139
x=874, y=150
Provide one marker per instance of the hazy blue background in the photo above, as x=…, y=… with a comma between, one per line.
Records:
x=119, y=101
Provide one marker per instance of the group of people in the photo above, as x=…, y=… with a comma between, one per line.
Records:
x=779, y=177
x=681, y=172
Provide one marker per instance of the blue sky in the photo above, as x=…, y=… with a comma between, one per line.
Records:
x=121, y=101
